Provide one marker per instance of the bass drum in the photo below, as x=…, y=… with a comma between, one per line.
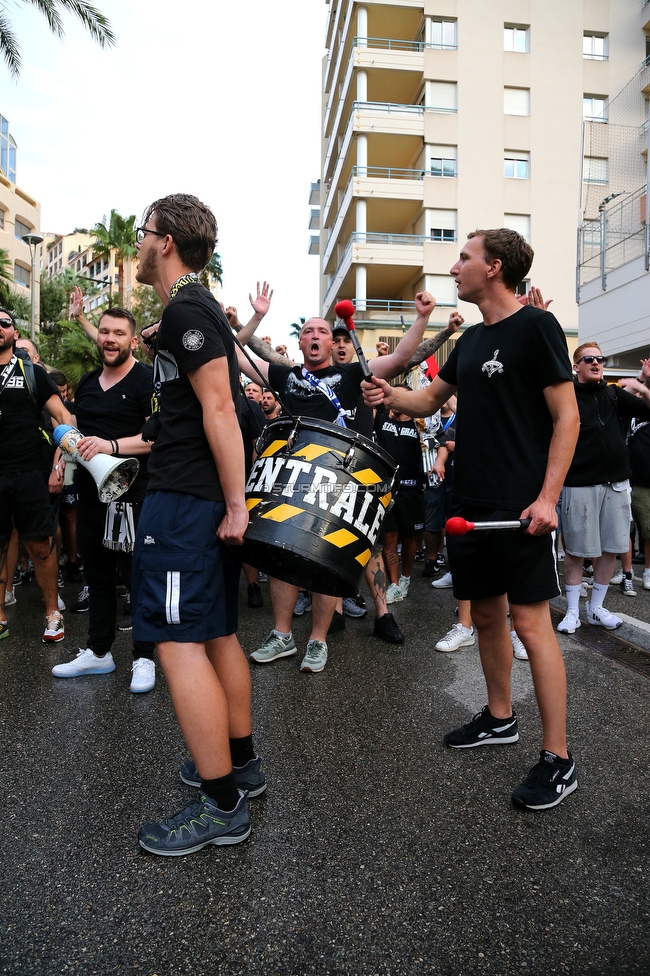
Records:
x=317, y=495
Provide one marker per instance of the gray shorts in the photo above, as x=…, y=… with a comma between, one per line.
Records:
x=595, y=519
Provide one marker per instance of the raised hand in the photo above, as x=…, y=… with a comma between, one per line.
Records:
x=455, y=321
x=424, y=303
x=262, y=301
x=76, y=302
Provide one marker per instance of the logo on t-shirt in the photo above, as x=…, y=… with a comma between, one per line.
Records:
x=193, y=340
x=492, y=366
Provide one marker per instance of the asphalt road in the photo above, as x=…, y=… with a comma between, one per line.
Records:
x=375, y=849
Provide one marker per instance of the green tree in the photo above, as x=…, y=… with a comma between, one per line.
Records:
x=119, y=236
x=146, y=307
x=6, y=277
x=97, y=25
x=75, y=353
x=295, y=327
x=213, y=270
x=21, y=309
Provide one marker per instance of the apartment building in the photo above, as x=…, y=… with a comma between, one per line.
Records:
x=441, y=116
x=613, y=275
x=20, y=215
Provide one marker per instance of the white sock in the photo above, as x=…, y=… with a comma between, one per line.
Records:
x=278, y=633
x=573, y=596
x=598, y=594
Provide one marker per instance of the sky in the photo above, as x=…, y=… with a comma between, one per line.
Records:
x=219, y=99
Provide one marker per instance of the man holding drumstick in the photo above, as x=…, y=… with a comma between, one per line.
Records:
x=517, y=427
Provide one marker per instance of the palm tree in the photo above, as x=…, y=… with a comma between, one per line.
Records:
x=119, y=236
x=6, y=277
x=213, y=269
x=97, y=25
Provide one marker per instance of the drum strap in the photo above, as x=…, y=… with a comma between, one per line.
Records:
x=327, y=390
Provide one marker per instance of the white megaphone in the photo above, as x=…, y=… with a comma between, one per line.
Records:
x=113, y=476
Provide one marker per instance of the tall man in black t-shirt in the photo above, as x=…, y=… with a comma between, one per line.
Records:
x=517, y=427
x=185, y=575
x=304, y=391
x=26, y=471
x=111, y=405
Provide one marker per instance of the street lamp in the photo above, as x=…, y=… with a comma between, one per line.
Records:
x=33, y=240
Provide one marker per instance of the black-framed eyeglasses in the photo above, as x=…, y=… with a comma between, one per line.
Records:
x=141, y=231
x=591, y=359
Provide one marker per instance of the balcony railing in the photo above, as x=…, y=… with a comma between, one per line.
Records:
x=394, y=107
x=393, y=44
x=366, y=237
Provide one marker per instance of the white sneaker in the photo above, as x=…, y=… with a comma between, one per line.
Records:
x=10, y=598
x=444, y=582
x=85, y=663
x=143, y=675
x=404, y=583
x=518, y=648
x=61, y=603
x=583, y=590
x=459, y=636
x=393, y=593
x=646, y=579
x=617, y=578
x=570, y=623
x=600, y=617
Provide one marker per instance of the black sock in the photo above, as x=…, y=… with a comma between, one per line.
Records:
x=223, y=791
x=241, y=750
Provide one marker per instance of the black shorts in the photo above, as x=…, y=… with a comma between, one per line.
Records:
x=490, y=563
x=407, y=514
x=25, y=503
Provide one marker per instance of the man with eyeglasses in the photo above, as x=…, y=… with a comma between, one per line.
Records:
x=26, y=472
x=185, y=574
x=596, y=509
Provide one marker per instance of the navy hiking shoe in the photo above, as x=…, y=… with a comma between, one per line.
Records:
x=199, y=824
x=249, y=777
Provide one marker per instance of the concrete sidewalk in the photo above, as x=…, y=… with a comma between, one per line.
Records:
x=375, y=850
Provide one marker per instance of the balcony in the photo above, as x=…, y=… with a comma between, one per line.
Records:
x=397, y=252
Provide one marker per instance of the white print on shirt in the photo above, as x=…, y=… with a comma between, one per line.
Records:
x=492, y=366
x=300, y=387
x=193, y=340
x=15, y=383
x=404, y=432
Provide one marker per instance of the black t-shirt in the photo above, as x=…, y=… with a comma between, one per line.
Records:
x=193, y=331
x=402, y=441
x=118, y=412
x=252, y=421
x=23, y=445
x=503, y=426
x=302, y=399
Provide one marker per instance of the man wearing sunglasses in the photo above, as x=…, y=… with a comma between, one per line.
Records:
x=596, y=496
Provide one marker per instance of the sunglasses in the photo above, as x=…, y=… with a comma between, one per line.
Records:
x=591, y=359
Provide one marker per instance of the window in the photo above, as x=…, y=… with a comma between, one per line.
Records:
x=21, y=276
x=595, y=47
x=443, y=287
x=518, y=222
x=523, y=286
x=443, y=160
x=515, y=39
x=591, y=233
x=595, y=169
x=516, y=165
x=516, y=101
x=594, y=108
x=21, y=229
x=7, y=151
x=441, y=96
x=2, y=220
x=443, y=34
x=442, y=225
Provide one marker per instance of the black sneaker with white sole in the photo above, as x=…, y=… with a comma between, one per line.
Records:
x=548, y=783
x=484, y=730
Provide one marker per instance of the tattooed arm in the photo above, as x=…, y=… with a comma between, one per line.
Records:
x=431, y=346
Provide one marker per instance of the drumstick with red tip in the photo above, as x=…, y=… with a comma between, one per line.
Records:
x=460, y=526
x=345, y=311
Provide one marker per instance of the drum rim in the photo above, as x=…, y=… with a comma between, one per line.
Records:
x=345, y=433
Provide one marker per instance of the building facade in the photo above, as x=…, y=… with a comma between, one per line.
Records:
x=441, y=116
x=20, y=214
